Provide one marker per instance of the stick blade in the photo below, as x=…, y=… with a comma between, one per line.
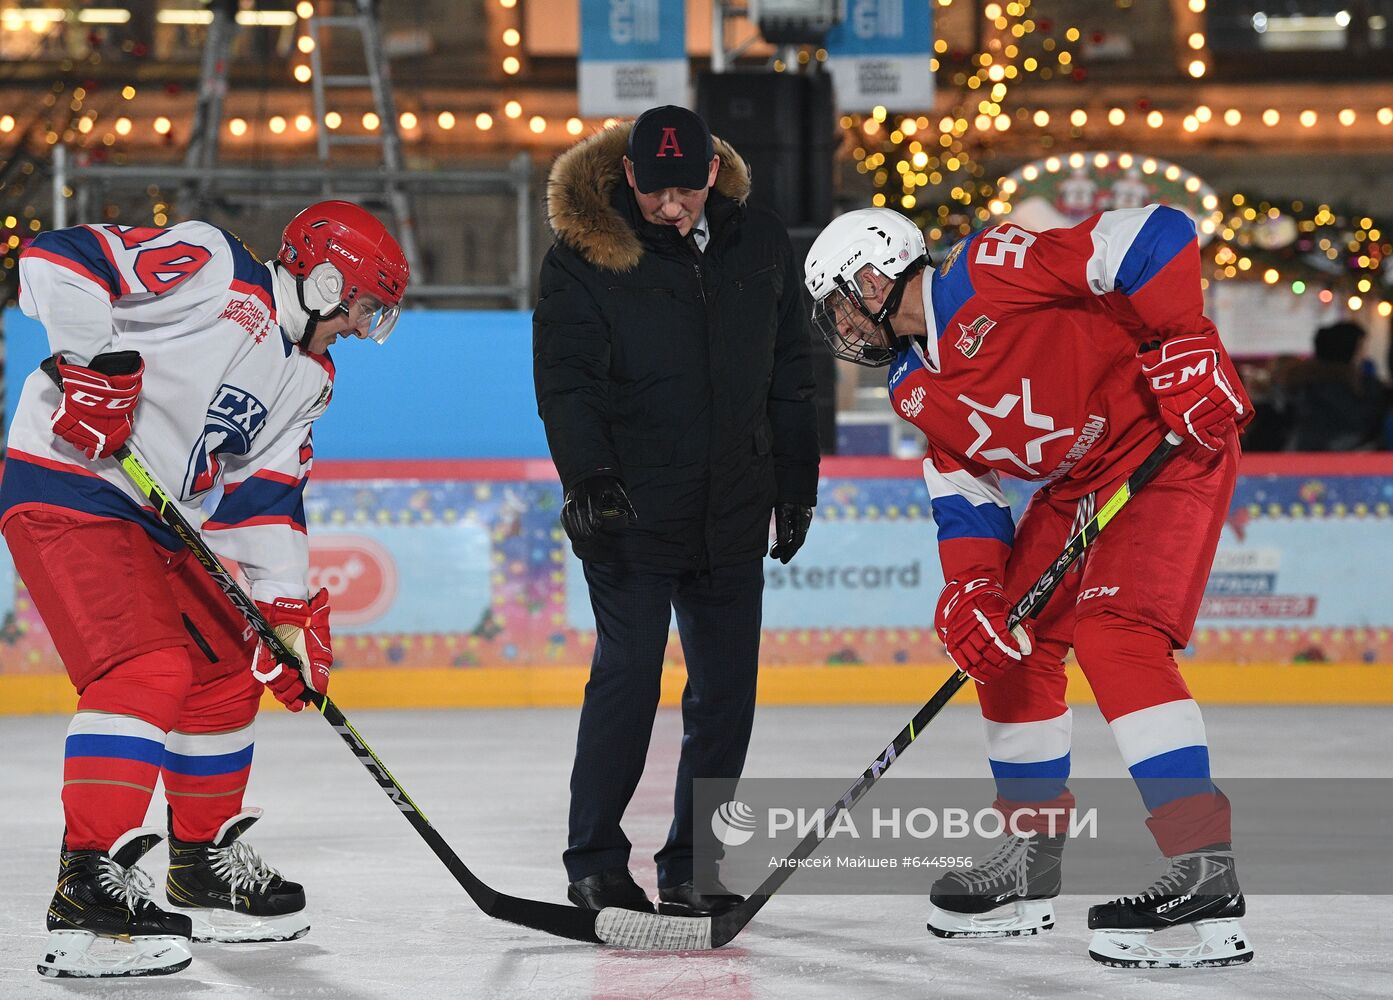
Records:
x=552, y=918
x=637, y=931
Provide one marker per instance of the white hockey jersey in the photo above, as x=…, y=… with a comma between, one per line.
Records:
x=227, y=401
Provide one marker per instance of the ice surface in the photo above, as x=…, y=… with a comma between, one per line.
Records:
x=388, y=921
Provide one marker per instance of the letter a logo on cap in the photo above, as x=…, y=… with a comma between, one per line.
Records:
x=669, y=141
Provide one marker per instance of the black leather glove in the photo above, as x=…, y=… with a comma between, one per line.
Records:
x=791, y=522
x=595, y=503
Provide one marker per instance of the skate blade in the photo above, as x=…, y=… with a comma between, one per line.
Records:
x=227, y=927
x=1221, y=942
x=84, y=955
x=1024, y=919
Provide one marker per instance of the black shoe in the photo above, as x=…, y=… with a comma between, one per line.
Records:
x=1200, y=885
x=107, y=895
x=685, y=901
x=611, y=887
x=1021, y=869
x=229, y=892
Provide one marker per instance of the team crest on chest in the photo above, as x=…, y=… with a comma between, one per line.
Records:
x=972, y=334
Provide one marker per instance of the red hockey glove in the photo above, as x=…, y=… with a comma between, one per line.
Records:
x=1197, y=389
x=98, y=407
x=971, y=621
x=304, y=627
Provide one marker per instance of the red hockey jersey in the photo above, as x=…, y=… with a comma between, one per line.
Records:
x=1031, y=365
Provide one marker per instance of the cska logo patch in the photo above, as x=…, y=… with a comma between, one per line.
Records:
x=972, y=334
x=234, y=419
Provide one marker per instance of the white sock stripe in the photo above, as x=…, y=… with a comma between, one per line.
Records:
x=210, y=744
x=1149, y=732
x=108, y=724
x=1029, y=742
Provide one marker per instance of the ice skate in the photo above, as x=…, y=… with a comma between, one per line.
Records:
x=231, y=895
x=1007, y=895
x=1198, y=890
x=102, y=921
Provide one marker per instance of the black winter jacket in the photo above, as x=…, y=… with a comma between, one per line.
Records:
x=686, y=375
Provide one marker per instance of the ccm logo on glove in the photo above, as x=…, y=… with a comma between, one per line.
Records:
x=1196, y=389
x=971, y=622
x=304, y=628
x=97, y=411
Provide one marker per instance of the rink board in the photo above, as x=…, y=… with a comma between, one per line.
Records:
x=453, y=585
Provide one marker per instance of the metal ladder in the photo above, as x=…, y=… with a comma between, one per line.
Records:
x=377, y=76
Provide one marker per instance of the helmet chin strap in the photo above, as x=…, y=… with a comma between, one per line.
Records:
x=298, y=317
x=881, y=318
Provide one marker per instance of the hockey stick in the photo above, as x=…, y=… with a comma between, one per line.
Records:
x=727, y=925
x=613, y=926
x=553, y=918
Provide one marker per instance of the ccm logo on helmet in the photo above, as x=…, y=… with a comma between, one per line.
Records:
x=344, y=252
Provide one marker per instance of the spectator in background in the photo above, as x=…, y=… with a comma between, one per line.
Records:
x=674, y=376
x=1271, y=426
x=1335, y=403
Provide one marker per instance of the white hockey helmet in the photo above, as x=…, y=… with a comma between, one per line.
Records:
x=869, y=237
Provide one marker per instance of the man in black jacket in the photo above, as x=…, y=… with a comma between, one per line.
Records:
x=674, y=377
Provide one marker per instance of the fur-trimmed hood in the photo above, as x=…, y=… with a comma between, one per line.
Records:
x=580, y=194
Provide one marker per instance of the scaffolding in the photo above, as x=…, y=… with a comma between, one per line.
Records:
x=80, y=189
x=206, y=186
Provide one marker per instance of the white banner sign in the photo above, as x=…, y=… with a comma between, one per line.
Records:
x=633, y=56
x=880, y=55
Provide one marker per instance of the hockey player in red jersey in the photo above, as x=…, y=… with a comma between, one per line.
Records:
x=212, y=366
x=1062, y=357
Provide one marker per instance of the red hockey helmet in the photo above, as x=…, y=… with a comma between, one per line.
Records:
x=339, y=253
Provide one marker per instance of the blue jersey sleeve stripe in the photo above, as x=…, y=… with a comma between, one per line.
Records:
x=121, y=747
x=261, y=498
x=80, y=246
x=245, y=266
x=1165, y=234
x=208, y=765
x=951, y=290
x=957, y=518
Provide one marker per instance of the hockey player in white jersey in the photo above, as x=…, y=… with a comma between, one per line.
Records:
x=213, y=367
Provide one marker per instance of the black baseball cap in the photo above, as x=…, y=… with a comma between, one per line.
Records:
x=670, y=147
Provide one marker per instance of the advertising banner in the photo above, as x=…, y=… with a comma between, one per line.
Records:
x=879, y=55
x=633, y=56
x=473, y=570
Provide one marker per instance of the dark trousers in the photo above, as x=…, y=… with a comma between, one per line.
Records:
x=718, y=619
